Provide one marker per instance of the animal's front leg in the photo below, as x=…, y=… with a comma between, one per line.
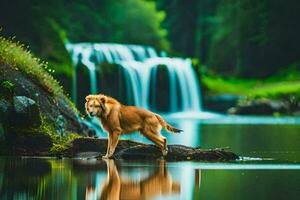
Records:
x=114, y=141
x=108, y=146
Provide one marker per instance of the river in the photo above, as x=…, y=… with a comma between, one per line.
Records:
x=269, y=167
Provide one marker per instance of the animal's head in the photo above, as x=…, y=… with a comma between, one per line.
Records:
x=96, y=105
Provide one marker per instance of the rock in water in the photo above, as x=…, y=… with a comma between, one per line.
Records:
x=26, y=112
x=259, y=107
x=176, y=153
x=129, y=150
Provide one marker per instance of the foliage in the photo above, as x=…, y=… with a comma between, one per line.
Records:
x=215, y=84
x=15, y=55
x=180, y=21
x=245, y=38
x=6, y=88
x=46, y=131
x=240, y=40
x=63, y=143
x=252, y=88
x=47, y=25
x=8, y=85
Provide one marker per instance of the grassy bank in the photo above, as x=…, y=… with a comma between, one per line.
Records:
x=277, y=87
x=16, y=55
x=50, y=119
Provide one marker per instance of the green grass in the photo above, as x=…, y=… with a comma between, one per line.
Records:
x=17, y=56
x=217, y=85
x=277, y=90
x=62, y=144
x=272, y=88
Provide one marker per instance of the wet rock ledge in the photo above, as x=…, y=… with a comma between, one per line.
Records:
x=129, y=150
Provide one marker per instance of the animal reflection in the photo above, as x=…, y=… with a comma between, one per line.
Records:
x=117, y=187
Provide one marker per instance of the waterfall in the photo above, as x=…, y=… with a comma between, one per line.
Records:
x=140, y=65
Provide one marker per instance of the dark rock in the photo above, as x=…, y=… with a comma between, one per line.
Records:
x=60, y=125
x=91, y=132
x=1, y=132
x=31, y=144
x=5, y=110
x=26, y=112
x=221, y=103
x=138, y=151
x=176, y=153
x=259, y=107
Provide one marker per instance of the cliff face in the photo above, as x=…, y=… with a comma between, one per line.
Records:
x=34, y=111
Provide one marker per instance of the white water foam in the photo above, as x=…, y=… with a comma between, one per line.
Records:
x=139, y=62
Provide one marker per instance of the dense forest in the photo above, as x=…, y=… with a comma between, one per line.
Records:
x=241, y=38
x=46, y=25
x=250, y=38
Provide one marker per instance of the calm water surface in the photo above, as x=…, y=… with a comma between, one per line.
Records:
x=270, y=169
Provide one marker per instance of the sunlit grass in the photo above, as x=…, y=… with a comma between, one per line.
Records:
x=219, y=85
x=16, y=55
x=277, y=90
x=273, y=88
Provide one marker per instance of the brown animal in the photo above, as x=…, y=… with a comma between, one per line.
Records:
x=117, y=118
x=158, y=183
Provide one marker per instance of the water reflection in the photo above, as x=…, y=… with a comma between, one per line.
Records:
x=29, y=178
x=116, y=186
x=36, y=179
x=23, y=179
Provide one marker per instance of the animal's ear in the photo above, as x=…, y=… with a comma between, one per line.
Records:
x=102, y=99
x=88, y=97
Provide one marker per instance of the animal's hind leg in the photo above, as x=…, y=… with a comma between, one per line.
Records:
x=159, y=140
x=165, y=148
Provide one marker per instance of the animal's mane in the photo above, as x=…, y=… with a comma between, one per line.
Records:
x=111, y=100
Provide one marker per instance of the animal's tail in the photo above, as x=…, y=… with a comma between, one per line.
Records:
x=166, y=125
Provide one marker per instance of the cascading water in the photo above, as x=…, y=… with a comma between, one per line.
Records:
x=140, y=64
x=141, y=70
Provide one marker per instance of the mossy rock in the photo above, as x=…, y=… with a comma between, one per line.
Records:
x=28, y=76
x=26, y=112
